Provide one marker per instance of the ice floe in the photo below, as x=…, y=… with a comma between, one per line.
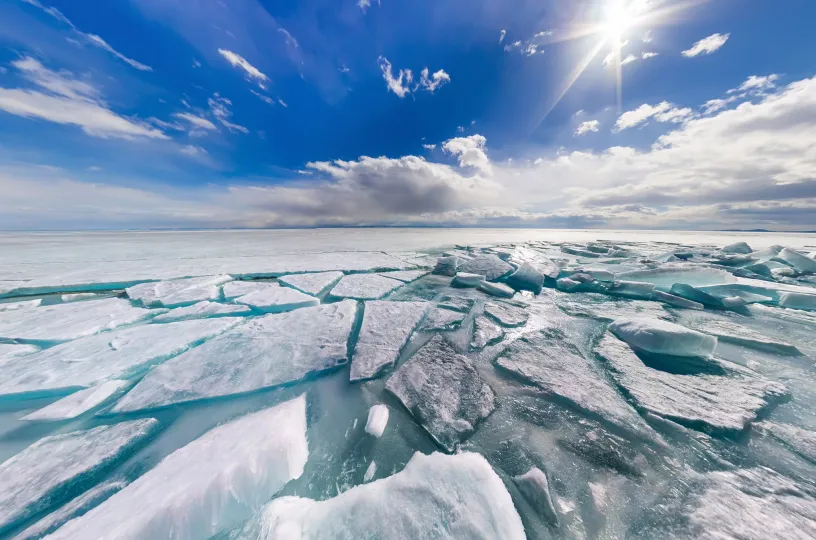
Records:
x=506, y=314
x=499, y=290
x=731, y=332
x=178, y=292
x=435, y=497
x=485, y=333
x=489, y=266
x=463, y=279
x=377, y=420
x=313, y=284
x=444, y=392
x=208, y=486
x=277, y=299
x=260, y=353
x=385, y=331
x=663, y=337
x=203, y=310
x=9, y=351
x=526, y=278
x=52, y=468
x=406, y=276
x=234, y=289
x=442, y=320
x=365, y=287
x=77, y=403
x=667, y=275
x=794, y=300
x=800, y=262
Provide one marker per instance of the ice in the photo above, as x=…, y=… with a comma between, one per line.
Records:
x=497, y=289
x=632, y=289
x=556, y=367
x=737, y=247
x=76, y=297
x=234, y=289
x=456, y=303
x=178, y=292
x=77, y=403
x=385, y=331
x=313, y=284
x=208, y=486
x=442, y=319
x=725, y=403
x=601, y=274
x=12, y=306
x=112, y=355
x=801, y=441
x=794, y=300
x=667, y=275
x=526, y=278
x=370, y=472
x=604, y=308
x=63, y=322
x=700, y=296
x=365, y=287
x=447, y=266
x=522, y=255
x=663, y=337
x=406, y=276
x=489, y=266
x=444, y=393
x=676, y=301
x=567, y=284
x=800, y=262
x=435, y=497
x=260, y=353
x=377, y=420
x=277, y=299
x=46, y=472
x=731, y=332
x=463, y=279
x=485, y=333
x=751, y=295
x=10, y=351
x=7, y=287
x=506, y=314
x=534, y=487
x=203, y=310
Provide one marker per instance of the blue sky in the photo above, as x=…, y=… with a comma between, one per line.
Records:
x=259, y=113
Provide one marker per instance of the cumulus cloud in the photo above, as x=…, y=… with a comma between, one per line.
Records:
x=240, y=62
x=754, y=86
x=428, y=146
x=470, y=151
x=586, y=127
x=706, y=45
x=662, y=112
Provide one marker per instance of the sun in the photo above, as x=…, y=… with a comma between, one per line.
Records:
x=619, y=19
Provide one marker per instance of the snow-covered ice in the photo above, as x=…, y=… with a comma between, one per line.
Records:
x=526, y=278
x=440, y=319
x=234, y=289
x=506, y=314
x=203, y=310
x=377, y=420
x=9, y=351
x=46, y=472
x=406, y=276
x=489, y=266
x=435, y=497
x=313, y=284
x=269, y=351
x=794, y=300
x=77, y=403
x=463, y=279
x=277, y=299
x=485, y=332
x=663, y=337
x=499, y=290
x=444, y=392
x=208, y=486
x=12, y=306
x=178, y=292
x=385, y=331
x=365, y=287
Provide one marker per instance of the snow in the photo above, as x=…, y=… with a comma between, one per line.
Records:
x=497, y=289
x=40, y=476
x=667, y=275
x=725, y=403
x=435, y=497
x=208, y=486
x=313, y=284
x=12, y=306
x=63, y=322
x=485, y=333
x=799, y=261
x=534, y=486
x=444, y=393
x=526, y=278
x=377, y=420
x=385, y=331
x=178, y=292
x=203, y=310
x=113, y=355
x=489, y=266
x=406, y=276
x=663, y=337
x=260, y=353
x=440, y=319
x=737, y=247
x=77, y=403
x=794, y=300
x=463, y=279
x=234, y=289
x=506, y=314
x=365, y=287
x=277, y=299
x=676, y=301
x=447, y=266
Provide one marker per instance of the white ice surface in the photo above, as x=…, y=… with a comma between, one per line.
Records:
x=385, y=330
x=9, y=351
x=793, y=300
x=234, y=289
x=313, y=284
x=526, y=278
x=114, y=355
x=77, y=403
x=485, y=332
x=63, y=322
x=25, y=304
x=377, y=420
x=277, y=299
x=7, y=286
x=799, y=261
x=75, y=297
x=37, y=477
x=435, y=497
x=208, y=486
x=178, y=292
x=203, y=310
x=676, y=301
x=489, y=266
x=260, y=353
x=668, y=274
x=406, y=276
x=365, y=287
x=463, y=279
x=497, y=289
x=663, y=337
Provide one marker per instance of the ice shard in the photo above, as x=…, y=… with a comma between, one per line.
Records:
x=77, y=403
x=377, y=420
x=465, y=280
x=485, y=333
x=178, y=292
x=737, y=247
x=663, y=337
x=499, y=290
x=534, y=486
x=526, y=278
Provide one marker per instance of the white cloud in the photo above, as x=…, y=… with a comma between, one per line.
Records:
x=365, y=4
x=428, y=146
x=196, y=64
x=586, y=127
x=283, y=103
x=756, y=84
x=628, y=60
x=240, y=62
x=662, y=112
x=400, y=85
x=647, y=55
x=433, y=82
x=470, y=151
x=290, y=39
x=68, y=100
x=193, y=151
x=707, y=45
x=265, y=99
x=502, y=35
x=196, y=121
x=647, y=37
x=219, y=106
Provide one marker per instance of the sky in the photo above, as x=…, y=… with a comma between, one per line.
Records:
x=650, y=114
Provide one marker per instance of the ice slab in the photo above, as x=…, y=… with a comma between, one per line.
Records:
x=269, y=351
x=203, y=310
x=737, y=247
x=63, y=322
x=447, y=266
x=700, y=296
x=601, y=274
x=365, y=287
x=751, y=295
x=676, y=301
x=208, y=486
x=506, y=314
x=534, y=486
x=485, y=333
x=799, y=261
x=667, y=275
x=499, y=290
x=48, y=470
x=794, y=300
x=523, y=255
x=77, y=403
x=13, y=306
x=234, y=289
x=313, y=284
x=277, y=299
x=489, y=266
x=631, y=289
x=456, y=303
x=76, y=297
x=385, y=331
x=178, y=292
x=731, y=332
x=9, y=351
x=377, y=420
x=526, y=278
x=801, y=441
x=463, y=279
x=444, y=320
x=560, y=371
x=8, y=286
x=663, y=337
x=722, y=403
x=443, y=392
x=435, y=497
x=406, y=276
x=114, y=355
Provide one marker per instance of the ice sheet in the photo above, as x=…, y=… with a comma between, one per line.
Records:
x=365, y=287
x=277, y=299
x=485, y=332
x=12, y=306
x=203, y=310
x=77, y=403
x=234, y=289
x=663, y=337
x=439, y=319
x=178, y=292
x=406, y=276
x=313, y=284
x=667, y=275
